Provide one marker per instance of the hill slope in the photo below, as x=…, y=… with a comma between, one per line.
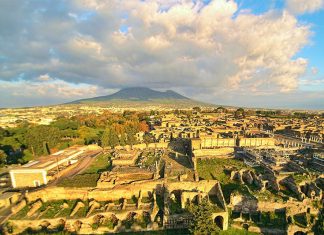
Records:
x=136, y=94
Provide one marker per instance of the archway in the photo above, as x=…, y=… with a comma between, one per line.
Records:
x=299, y=233
x=219, y=221
x=246, y=226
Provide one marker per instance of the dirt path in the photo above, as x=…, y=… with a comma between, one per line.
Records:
x=81, y=166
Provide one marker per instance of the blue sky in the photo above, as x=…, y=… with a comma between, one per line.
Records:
x=244, y=52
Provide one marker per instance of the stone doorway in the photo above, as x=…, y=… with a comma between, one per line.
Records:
x=219, y=221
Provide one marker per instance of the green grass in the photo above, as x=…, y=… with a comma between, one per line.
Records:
x=133, y=200
x=100, y=164
x=234, y=231
x=48, y=210
x=300, y=178
x=22, y=214
x=65, y=212
x=82, y=212
x=216, y=169
x=46, y=232
x=51, y=209
x=79, y=181
x=90, y=176
x=175, y=207
x=151, y=158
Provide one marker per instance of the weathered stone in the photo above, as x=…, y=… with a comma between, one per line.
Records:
x=77, y=207
x=34, y=207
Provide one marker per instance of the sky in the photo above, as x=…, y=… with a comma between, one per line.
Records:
x=248, y=53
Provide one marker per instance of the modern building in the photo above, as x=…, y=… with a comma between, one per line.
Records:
x=44, y=169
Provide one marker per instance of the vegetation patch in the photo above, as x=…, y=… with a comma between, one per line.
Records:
x=101, y=163
x=217, y=169
x=79, y=181
x=146, y=199
x=22, y=214
x=234, y=231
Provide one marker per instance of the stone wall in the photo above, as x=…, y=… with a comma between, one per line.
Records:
x=225, y=151
x=120, y=191
x=255, y=142
x=143, y=146
x=214, y=142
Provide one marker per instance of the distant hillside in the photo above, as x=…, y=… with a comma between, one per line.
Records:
x=136, y=94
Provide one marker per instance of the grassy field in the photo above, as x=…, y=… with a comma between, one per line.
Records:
x=215, y=169
x=48, y=210
x=79, y=181
x=100, y=164
x=218, y=169
x=234, y=231
x=91, y=175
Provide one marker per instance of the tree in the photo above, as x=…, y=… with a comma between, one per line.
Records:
x=3, y=158
x=110, y=138
x=64, y=124
x=319, y=225
x=148, y=138
x=239, y=113
x=143, y=126
x=88, y=134
x=202, y=222
x=38, y=135
x=3, y=133
x=122, y=139
x=197, y=109
x=221, y=110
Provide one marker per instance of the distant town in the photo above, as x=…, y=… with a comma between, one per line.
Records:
x=86, y=169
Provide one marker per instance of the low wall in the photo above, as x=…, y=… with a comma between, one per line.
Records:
x=213, y=152
x=119, y=191
x=144, y=146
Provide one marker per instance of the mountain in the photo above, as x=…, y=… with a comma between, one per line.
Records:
x=136, y=94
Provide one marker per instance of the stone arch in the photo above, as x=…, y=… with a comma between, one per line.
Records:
x=299, y=233
x=266, y=185
x=246, y=226
x=219, y=221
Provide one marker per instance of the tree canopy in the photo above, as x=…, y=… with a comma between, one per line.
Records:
x=202, y=222
x=41, y=138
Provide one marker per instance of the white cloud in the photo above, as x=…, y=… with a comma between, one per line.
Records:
x=304, y=6
x=167, y=44
x=46, y=87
